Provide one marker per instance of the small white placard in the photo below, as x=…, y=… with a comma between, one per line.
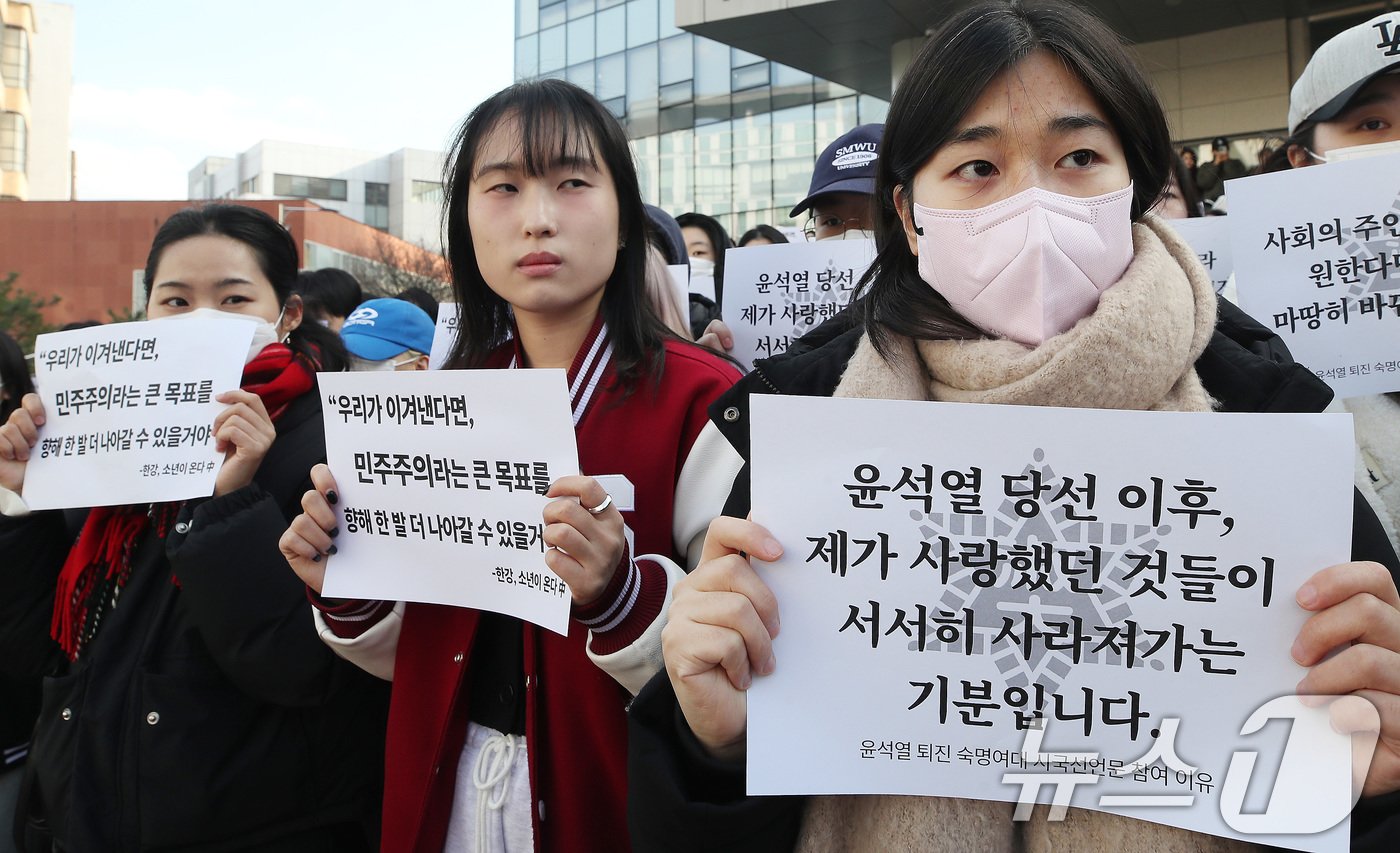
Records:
x=444, y=335
x=1209, y=237
x=1317, y=260
x=775, y=294
x=130, y=410
x=441, y=478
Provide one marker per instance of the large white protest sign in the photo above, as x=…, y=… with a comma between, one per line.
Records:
x=444, y=335
x=962, y=570
x=1209, y=238
x=130, y=411
x=775, y=294
x=441, y=478
x=1317, y=259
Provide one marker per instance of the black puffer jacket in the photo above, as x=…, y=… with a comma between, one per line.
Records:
x=680, y=799
x=206, y=714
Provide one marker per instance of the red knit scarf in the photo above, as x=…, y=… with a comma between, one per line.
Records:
x=99, y=564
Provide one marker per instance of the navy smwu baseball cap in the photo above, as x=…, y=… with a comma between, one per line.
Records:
x=845, y=166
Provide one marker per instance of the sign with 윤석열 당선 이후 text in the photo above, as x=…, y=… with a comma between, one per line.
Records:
x=942, y=599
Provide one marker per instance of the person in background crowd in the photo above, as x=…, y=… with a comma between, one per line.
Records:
x=1179, y=200
x=762, y=235
x=1188, y=156
x=1014, y=112
x=203, y=714
x=1211, y=177
x=667, y=250
x=329, y=295
x=388, y=334
x=705, y=242
x=1349, y=96
x=19, y=695
x=502, y=735
x=841, y=196
x=422, y=298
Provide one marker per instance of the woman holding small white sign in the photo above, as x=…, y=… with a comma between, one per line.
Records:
x=188, y=702
x=1018, y=265
x=502, y=735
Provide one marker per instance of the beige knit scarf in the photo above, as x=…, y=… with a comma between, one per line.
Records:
x=1136, y=351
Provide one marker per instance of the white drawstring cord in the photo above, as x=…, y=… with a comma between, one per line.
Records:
x=491, y=775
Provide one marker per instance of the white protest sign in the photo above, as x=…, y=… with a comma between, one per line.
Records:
x=680, y=283
x=775, y=294
x=444, y=335
x=441, y=478
x=130, y=411
x=1209, y=238
x=962, y=569
x=1317, y=260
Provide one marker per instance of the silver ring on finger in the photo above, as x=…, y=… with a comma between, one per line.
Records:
x=607, y=502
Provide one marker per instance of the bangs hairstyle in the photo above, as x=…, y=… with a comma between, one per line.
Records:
x=556, y=122
x=942, y=83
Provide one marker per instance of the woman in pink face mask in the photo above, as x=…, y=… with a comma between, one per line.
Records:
x=1017, y=264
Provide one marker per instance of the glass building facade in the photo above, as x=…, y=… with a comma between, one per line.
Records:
x=714, y=129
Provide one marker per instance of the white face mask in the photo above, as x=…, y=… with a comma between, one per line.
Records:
x=263, y=335
x=1357, y=152
x=702, y=267
x=364, y=365
x=1028, y=267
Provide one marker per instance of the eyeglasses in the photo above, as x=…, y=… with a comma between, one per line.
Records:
x=830, y=222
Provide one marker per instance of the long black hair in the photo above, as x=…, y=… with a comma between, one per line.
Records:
x=557, y=121
x=328, y=292
x=276, y=252
x=945, y=79
x=14, y=376
x=719, y=238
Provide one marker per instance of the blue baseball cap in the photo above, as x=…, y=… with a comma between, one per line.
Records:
x=847, y=165
x=383, y=328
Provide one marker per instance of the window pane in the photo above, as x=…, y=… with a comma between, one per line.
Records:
x=676, y=158
x=835, y=118
x=743, y=57
x=14, y=145
x=641, y=21
x=551, y=49
x=790, y=87
x=753, y=171
x=612, y=30
x=714, y=169
x=581, y=40
x=608, y=4
x=551, y=15
x=377, y=194
x=641, y=91
x=873, y=110
x=618, y=107
x=750, y=77
x=648, y=168
x=527, y=57
x=578, y=8
x=581, y=75
x=527, y=17
x=677, y=62
x=611, y=77
x=794, y=151
x=751, y=102
x=668, y=19
x=676, y=93
x=427, y=192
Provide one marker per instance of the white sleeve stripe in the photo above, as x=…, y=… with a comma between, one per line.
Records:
x=628, y=588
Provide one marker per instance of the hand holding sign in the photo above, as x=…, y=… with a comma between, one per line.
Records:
x=18, y=436
x=584, y=532
x=720, y=631
x=243, y=433
x=308, y=543
x=1356, y=609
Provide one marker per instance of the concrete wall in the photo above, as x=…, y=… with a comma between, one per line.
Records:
x=1231, y=82
x=50, y=91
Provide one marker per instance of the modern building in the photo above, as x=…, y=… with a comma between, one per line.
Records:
x=398, y=193
x=715, y=129
x=727, y=102
x=92, y=253
x=36, y=66
x=1221, y=68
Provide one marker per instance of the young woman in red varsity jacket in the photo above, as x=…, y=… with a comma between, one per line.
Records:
x=503, y=735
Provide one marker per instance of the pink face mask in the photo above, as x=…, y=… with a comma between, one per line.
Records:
x=1028, y=267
